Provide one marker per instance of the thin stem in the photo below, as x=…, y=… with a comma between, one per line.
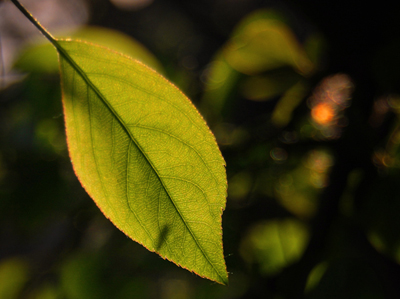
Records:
x=36, y=23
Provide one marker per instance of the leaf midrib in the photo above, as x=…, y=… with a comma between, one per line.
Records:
x=78, y=69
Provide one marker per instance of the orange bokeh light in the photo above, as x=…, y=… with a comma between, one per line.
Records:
x=323, y=113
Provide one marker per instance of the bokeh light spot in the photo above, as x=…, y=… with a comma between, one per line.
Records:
x=278, y=154
x=328, y=102
x=323, y=113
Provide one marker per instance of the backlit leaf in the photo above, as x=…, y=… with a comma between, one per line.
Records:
x=145, y=155
x=262, y=60
x=14, y=273
x=264, y=43
x=274, y=244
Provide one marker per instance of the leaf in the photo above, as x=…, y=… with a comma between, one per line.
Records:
x=269, y=85
x=274, y=244
x=145, y=155
x=219, y=88
x=289, y=101
x=261, y=61
x=263, y=43
x=14, y=273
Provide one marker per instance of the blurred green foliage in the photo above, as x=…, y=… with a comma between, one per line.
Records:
x=313, y=198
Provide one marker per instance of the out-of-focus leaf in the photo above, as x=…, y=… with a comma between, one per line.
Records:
x=348, y=278
x=260, y=14
x=269, y=85
x=220, y=83
x=145, y=155
x=298, y=189
x=315, y=276
x=240, y=186
x=13, y=276
x=381, y=216
x=261, y=61
x=265, y=44
x=274, y=244
x=42, y=58
x=282, y=113
x=46, y=291
x=80, y=277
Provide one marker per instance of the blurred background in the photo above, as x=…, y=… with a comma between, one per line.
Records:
x=303, y=98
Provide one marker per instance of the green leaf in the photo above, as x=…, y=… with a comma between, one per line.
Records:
x=269, y=85
x=145, y=155
x=262, y=60
x=274, y=244
x=14, y=273
x=263, y=42
x=220, y=88
x=289, y=101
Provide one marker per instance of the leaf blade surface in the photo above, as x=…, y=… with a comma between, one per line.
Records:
x=145, y=155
